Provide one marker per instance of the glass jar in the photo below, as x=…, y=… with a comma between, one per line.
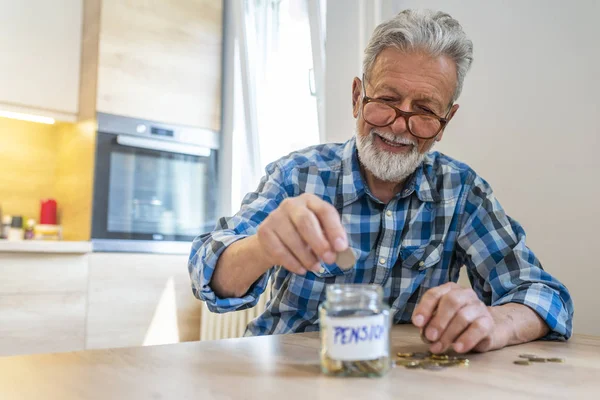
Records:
x=355, y=331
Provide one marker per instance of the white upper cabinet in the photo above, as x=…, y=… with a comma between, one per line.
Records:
x=161, y=61
x=40, y=57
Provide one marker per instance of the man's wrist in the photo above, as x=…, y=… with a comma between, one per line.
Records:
x=516, y=323
x=258, y=255
x=505, y=333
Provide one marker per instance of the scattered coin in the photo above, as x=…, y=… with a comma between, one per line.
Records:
x=464, y=363
x=346, y=259
x=522, y=362
x=532, y=358
x=406, y=363
x=537, y=359
x=430, y=362
x=420, y=356
x=405, y=355
x=527, y=355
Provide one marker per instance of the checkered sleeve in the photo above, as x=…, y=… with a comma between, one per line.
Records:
x=207, y=248
x=502, y=269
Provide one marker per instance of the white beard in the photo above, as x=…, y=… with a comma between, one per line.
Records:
x=386, y=166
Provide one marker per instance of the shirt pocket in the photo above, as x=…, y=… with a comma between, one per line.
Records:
x=422, y=257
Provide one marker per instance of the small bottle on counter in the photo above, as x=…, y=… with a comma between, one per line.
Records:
x=355, y=331
x=5, y=226
x=29, y=229
x=1, y=225
x=15, y=232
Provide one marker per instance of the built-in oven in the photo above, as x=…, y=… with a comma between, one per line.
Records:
x=155, y=185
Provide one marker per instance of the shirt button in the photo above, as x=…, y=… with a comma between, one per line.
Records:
x=388, y=213
x=321, y=270
x=382, y=260
x=422, y=263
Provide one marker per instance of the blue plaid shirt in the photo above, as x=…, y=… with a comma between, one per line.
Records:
x=446, y=217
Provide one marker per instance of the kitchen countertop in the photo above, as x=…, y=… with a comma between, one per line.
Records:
x=45, y=246
x=287, y=367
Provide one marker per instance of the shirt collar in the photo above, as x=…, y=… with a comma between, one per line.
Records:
x=352, y=183
x=422, y=182
x=353, y=186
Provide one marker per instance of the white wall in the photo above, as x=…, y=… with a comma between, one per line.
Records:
x=342, y=64
x=349, y=26
x=537, y=63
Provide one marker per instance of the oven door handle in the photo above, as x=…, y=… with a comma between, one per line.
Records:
x=162, y=145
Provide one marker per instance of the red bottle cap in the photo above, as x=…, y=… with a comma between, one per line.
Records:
x=48, y=212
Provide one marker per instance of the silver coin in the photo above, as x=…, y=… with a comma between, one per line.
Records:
x=346, y=259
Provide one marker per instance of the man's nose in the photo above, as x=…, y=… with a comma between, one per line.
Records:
x=400, y=124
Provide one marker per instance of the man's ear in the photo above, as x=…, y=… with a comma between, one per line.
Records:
x=453, y=111
x=356, y=95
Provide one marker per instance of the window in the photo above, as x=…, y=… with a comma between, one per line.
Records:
x=275, y=94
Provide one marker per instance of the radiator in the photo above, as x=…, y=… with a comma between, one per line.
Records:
x=230, y=325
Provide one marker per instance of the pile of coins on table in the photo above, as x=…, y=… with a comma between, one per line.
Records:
x=528, y=359
x=430, y=362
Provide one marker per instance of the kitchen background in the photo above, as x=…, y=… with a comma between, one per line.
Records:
x=128, y=127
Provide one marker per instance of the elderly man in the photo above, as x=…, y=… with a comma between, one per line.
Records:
x=412, y=217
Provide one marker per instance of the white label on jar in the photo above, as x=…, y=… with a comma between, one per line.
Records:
x=356, y=338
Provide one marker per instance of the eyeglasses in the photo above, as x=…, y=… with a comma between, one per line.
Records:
x=380, y=113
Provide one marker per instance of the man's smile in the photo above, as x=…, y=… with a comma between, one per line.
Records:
x=392, y=146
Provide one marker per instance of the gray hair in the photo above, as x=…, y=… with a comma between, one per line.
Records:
x=432, y=31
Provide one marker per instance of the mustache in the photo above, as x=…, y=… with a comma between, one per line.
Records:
x=393, y=138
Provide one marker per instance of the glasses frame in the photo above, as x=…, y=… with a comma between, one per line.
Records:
x=404, y=114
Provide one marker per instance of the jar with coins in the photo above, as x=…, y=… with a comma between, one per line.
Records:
x=355, y=331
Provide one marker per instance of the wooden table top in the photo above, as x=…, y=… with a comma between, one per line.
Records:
x=287, y=367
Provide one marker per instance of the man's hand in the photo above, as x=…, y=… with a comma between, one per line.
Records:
x=300, y=232
x=454, y=316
